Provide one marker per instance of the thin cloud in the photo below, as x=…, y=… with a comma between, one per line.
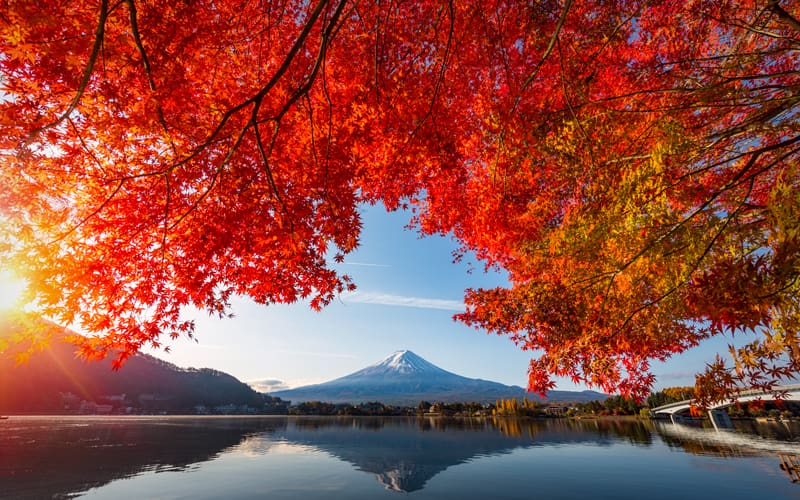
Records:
x=386, y=299
x=274, y=385
x=676, y=375
x=366, y=264
x=268, y=385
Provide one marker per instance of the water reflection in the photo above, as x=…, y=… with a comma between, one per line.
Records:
x=404, y=454
x=62, y=458
x=746, y=438
x=403, y=459
x=59, y=458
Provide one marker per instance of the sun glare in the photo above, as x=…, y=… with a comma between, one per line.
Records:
x=11, y=289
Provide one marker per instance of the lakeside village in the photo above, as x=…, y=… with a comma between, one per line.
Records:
x=153, y=404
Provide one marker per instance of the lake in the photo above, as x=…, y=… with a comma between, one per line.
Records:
x=366, y=458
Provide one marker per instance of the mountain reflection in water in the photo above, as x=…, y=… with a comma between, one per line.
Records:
x=67, y=456
x=406, y=453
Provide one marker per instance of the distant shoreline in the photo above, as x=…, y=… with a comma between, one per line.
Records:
x=619, y=418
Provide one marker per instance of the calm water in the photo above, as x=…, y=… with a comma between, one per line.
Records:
x=366, y=458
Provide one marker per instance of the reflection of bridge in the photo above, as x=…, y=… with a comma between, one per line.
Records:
x=732, y=441
x=719, y=417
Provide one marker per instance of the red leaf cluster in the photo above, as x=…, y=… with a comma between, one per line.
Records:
x=632, y=164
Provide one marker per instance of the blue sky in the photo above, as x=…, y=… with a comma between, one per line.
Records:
x=408, y=291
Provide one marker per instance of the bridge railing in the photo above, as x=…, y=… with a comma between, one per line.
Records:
x=670, y=405
x=745, y=392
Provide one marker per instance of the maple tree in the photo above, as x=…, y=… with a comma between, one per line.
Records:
x=632, y=164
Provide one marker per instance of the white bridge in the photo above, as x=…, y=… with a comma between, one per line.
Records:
x=719, y=417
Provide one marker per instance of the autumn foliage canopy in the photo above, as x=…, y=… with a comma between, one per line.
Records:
x=632, y=165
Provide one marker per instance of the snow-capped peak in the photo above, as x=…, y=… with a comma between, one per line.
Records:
x=405, y=362
x=402, y=361
x=401, y=365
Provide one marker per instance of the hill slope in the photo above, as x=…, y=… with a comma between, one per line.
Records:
x=148, y=383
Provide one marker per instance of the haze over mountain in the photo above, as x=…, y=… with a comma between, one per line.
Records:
x=54, y=380
x=404, y=378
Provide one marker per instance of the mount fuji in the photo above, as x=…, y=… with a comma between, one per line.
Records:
x=403, y=378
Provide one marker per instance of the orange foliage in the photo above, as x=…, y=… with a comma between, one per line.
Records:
x=631, y=164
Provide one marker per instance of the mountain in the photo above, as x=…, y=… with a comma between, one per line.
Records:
x=403, y=378
x=54, y=380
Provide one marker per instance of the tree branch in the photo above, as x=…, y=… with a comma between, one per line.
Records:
x=147, y=68
x=550, y=46
x=87, y=73
x=784, y=16
x=92, y=214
